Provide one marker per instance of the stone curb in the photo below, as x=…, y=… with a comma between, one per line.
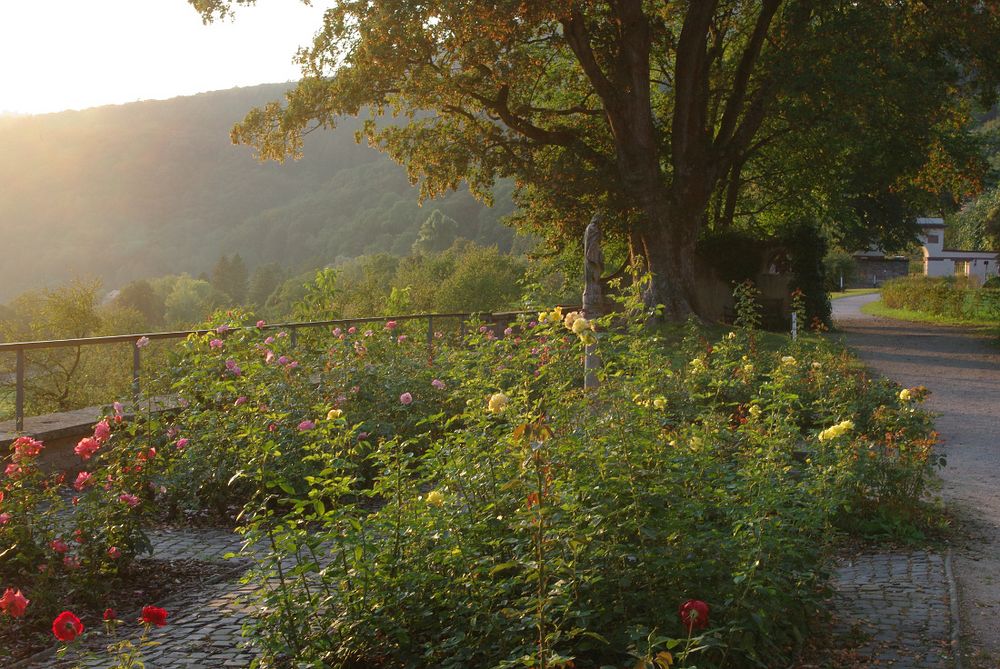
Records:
x=956, y=621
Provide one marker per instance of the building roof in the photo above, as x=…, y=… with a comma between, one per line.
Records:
x=930, y=222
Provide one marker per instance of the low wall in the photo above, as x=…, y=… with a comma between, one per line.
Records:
x=59, y=431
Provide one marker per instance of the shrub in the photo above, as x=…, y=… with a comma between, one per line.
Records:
x=948, y=296
x=65, y=541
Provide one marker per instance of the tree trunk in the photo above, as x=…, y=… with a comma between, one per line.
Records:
x=667, y=242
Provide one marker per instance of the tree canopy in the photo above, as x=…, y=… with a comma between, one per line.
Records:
x=672, y=118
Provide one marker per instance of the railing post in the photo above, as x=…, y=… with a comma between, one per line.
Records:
x=294, y=337
x=19, y=392
x=135, y=374
x=430, y=336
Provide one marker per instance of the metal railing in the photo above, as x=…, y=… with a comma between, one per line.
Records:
x=21, y=348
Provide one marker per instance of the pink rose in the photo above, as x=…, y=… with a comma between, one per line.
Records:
x=261, y=323
x=390, y=325
x=59, y=546
x=269, y=357
x=352, y=330
x=102, y=431
x=306, y=425
x=119, y=409
x=114, y=553
x=82, y=479
x=438, y=383
x=283, y=360
x=368, y=333
x=215, y=344
x=26, y=448
x=13, y=470
x=401, y=338
x=4, y=518
x=269, y=341
x=233, y=368
x=86, y=448
x=13, y=603
x=336, y=332
x=242, y=399
x=406, y=398
x=142, y=342
x=182, y=442
x=130, y=499
x=222, y=329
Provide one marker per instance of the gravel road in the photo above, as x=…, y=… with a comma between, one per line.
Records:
x=962, y=370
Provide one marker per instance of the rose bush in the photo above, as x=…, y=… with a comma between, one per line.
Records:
x=479, y=508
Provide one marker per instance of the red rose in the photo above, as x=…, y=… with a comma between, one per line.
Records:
x=110, y=615
x=694, y=614
x=13, y=603
x=67, y=626
x=153, y=615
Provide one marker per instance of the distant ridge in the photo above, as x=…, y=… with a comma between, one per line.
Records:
x=155, y=187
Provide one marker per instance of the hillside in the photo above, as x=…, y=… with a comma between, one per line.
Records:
x=151, y=188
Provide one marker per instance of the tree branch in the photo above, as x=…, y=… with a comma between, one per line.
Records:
x=727, y=128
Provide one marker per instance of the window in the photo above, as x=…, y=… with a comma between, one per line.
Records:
x=933, y=239
x=961, y=268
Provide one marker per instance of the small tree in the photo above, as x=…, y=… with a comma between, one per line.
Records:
x=437, y=233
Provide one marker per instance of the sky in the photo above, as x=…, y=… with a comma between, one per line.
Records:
x=75, y=54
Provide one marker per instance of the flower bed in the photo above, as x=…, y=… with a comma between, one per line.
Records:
x=481, y=509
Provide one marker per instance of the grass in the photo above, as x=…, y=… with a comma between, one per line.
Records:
x=880, y=309
x=836, y=295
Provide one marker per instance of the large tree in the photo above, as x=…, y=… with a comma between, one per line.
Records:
x=670, y=117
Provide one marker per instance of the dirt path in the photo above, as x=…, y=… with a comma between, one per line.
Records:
x=962, y=370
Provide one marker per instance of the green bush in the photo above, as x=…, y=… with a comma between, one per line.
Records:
x=483, y=510
x=947, y=296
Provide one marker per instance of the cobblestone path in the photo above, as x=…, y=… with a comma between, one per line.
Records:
x=204, y=624
x=962, y=370
x=893, y=609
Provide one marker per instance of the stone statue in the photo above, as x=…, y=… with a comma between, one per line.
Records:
x=593, y=267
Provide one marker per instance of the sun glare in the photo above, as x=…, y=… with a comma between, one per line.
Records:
x=68, y=54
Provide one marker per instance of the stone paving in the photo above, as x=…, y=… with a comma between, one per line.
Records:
x=894, y=609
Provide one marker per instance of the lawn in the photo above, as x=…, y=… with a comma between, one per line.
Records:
x=880, y=309
x=836, y=295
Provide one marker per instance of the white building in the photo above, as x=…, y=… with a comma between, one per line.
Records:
x=939, y=261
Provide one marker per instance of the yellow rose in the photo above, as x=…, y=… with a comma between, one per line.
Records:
x=660, y=403
x=754, y=410
x=498, y=402
x=571, y=318
x=334, y=414
x=817, y=365
x=435, y=498
x=787, y=360
x=905, y=395
x=581, y=325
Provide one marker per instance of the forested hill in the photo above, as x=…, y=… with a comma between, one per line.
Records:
x=152, y=188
